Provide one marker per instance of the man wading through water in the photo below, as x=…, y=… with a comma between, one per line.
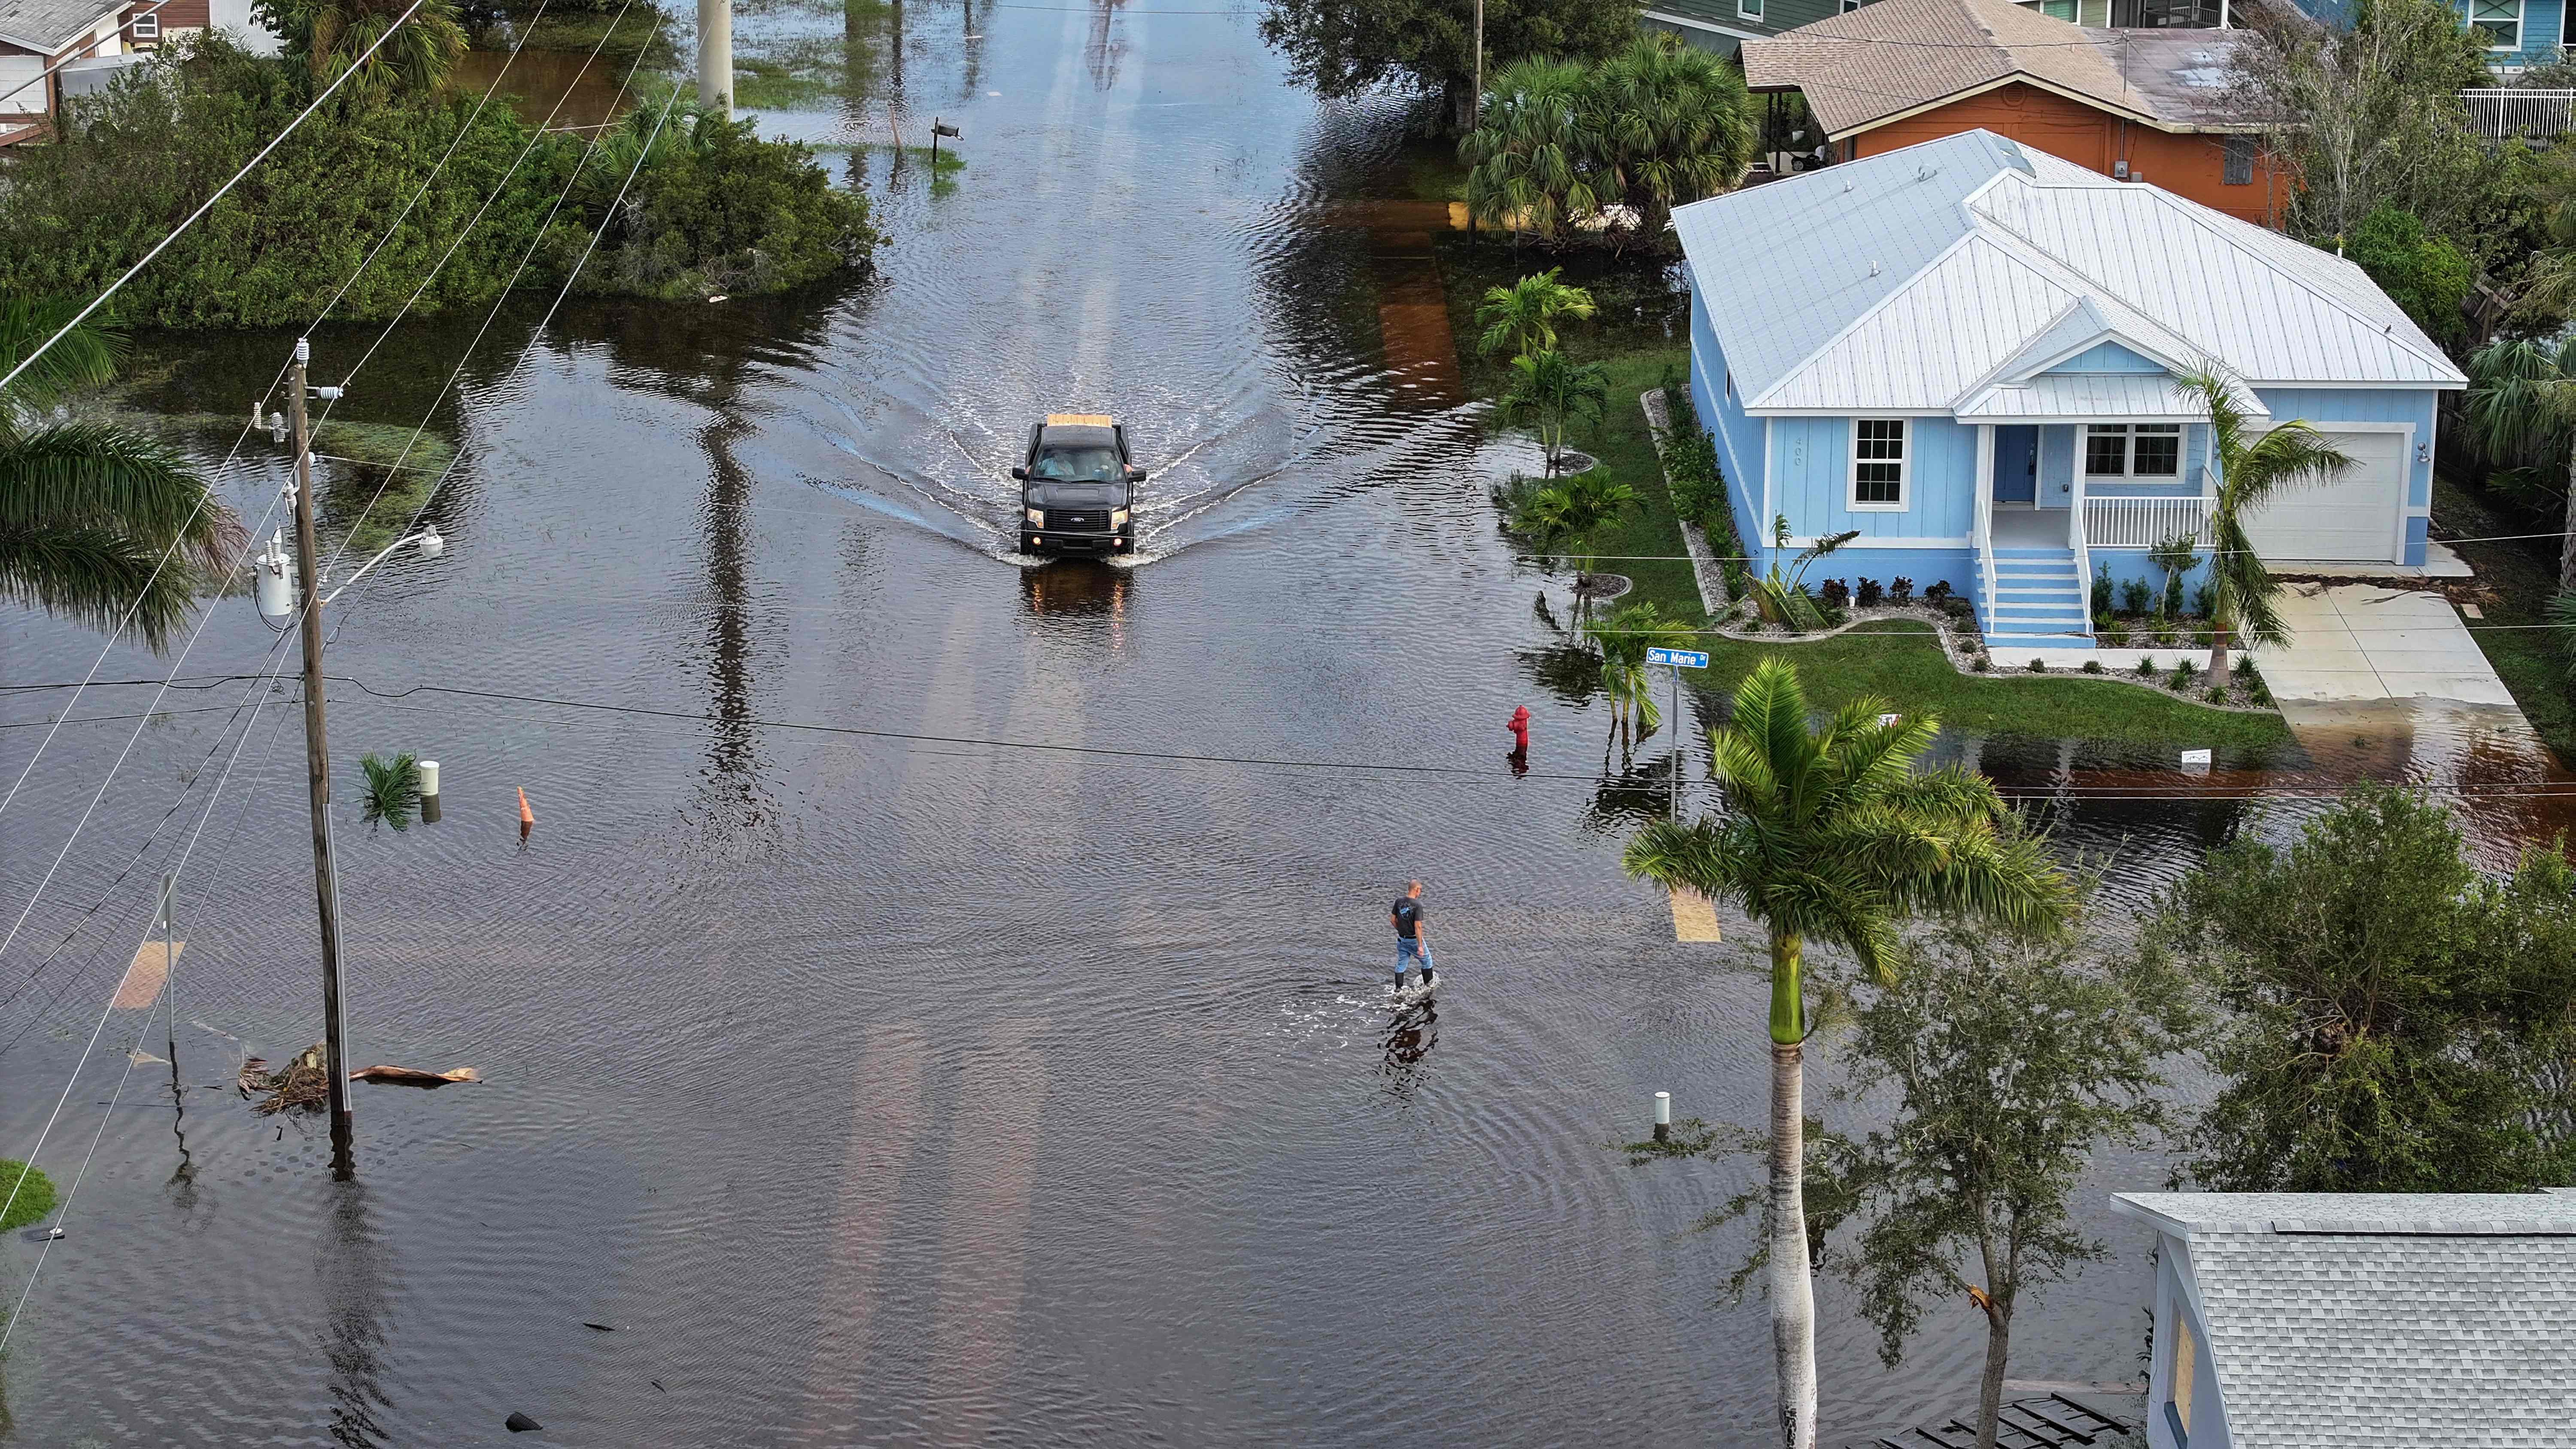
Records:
x=1411, y=946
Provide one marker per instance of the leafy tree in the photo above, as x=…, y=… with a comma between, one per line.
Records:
x=1831, y=836
x=1523, y=316
x=752, y=215
x=2370, y=115
x=2520, y=408
x=2395, y=1021
x=2424, y=274
x=88, y=509
x=330, y=35
x=1554, y=392
x=2241, y=590
x=1342, y=48
x=716, y=210
x=2012, y=1061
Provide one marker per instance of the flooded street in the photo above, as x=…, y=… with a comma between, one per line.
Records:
x=940, y=1000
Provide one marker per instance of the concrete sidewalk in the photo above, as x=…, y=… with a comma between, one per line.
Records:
x=2354, y=642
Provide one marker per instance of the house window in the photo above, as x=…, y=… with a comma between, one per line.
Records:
x=1850, y=5
x=2500, y=19
x=2157, y=452
x=1878, y=463
x=1749, y=9
x=2106, y=450
x=1730, y=384
x=2240, y=161
x=147, y=26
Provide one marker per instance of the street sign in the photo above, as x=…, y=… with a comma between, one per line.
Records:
x=1678, y=658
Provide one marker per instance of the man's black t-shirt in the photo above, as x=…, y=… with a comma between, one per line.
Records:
x=1408, y=915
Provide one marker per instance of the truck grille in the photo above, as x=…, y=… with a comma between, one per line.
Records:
x=1078, y=518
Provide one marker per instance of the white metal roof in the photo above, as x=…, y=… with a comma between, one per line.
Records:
x=1924, y=275
x=2085, y=396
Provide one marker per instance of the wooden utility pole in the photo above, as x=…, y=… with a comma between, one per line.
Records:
x=317, y=768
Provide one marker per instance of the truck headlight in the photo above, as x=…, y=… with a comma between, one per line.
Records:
x=1037, y=518
x=1117, y=518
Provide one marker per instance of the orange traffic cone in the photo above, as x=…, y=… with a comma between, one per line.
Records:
x=527, y=817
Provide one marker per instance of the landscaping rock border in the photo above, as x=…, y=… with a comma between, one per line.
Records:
x=1705, y=570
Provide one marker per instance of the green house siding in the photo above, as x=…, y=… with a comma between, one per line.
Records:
x=1720, y=24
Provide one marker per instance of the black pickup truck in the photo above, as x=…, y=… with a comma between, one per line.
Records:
x=1077, y=487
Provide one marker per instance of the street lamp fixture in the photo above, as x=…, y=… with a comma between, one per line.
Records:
x=275, y=577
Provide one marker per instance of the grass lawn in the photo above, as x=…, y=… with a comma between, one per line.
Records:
x=1897, y=661
x=2524, y=574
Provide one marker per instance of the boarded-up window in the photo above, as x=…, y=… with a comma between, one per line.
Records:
x=2240, y=161
x=2186, y=1369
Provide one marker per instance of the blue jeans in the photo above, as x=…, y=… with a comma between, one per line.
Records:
x=1409, y=954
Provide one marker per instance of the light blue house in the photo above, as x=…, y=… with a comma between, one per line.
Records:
x=1967, y=351
x=2360, y=1320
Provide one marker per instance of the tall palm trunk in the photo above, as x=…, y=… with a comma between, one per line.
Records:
x=1793, y=1298
x=2221, y=633
x=2567, y=545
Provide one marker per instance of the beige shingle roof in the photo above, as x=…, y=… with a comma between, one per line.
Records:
x=1868, y=65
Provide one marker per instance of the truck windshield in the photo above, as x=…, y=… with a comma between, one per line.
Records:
x=1079, y=465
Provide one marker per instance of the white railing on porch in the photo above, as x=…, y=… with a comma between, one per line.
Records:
x=2506, y=112
x=2143, y=522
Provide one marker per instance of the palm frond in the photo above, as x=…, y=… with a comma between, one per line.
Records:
x=74, y=475
x=91, y=576
x=85, y=357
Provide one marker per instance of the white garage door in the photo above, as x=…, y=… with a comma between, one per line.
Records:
x=2351, y=517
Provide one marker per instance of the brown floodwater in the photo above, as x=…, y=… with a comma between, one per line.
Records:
x=941, y=998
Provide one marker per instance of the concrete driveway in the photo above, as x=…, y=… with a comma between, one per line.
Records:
x=2358, y=642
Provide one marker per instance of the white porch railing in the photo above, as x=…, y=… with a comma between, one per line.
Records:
x=2505, y=112
x=2143, y=522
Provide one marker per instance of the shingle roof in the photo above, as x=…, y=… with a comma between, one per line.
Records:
x=1924, y=272
x=1867, y=66
x=2384, y=1321
x=47, y=25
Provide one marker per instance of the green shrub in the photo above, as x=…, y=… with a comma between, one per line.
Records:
x=2218, y=696
x=2092, y=666
x=2147, y=668
x=1981, y=664
x=714, y=206
x=2038, y=666
x=35, y=1196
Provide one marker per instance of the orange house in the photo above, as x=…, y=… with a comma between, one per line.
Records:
x=2140, y=105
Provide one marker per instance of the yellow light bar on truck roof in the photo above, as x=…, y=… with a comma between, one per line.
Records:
x=1080, y=420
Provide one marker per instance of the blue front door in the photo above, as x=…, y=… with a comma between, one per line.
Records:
x=2017, y=465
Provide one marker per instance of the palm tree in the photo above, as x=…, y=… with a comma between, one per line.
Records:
x=1831, y=836
x=332, y=34
x=1530, y=157
x=87, y=509
x=2291, y=455
x=1554, y=392
x=1523, y=315
x=1623, y=639
x=1677, y=125
x=2521, y=408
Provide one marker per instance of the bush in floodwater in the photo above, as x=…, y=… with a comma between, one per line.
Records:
x=393, y=788
x=35, y=1195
